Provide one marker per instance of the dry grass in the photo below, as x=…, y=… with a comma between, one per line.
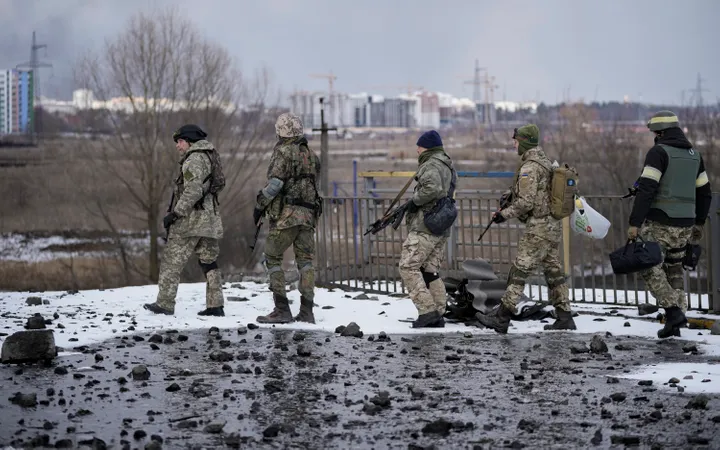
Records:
x=65, y=274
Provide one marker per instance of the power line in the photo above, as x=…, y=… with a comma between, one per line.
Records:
x=33, y=65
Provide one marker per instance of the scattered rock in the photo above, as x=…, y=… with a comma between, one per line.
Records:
x=303, y=350
x=24, y=400
x=645, y=383
x=626, y=324
x=361, y=297
x=647, y=308
x=237, y=299
x=439, y=426
x=215, y=427
x=598, y=345
x=155, y=339
x=29, y=346
x=173, y=388
x=140, y=373
x=715, y=329
x=35, y=322
x=352, y=330
x=673, y=380
x=698, y=402
x=618, y=396
x=577, y=349
x=252, y=326
x=221, y=356
x=33, y=301
x=271, y=431
x=242, y=330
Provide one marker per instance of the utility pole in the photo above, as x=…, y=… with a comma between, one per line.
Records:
x=33, y=65
x=324, y=153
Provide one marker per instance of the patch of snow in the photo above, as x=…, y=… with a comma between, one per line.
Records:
x=94, y=316
x=661, y=374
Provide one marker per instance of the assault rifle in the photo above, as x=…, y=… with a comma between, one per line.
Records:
x=393, y=215
x=169, y=210
x=257, y=233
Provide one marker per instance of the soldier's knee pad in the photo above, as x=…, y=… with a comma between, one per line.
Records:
x=207, y=267
x=429, y=277
x=275, y=269
x=516, y=275
x=305, y=267
x=554, y=278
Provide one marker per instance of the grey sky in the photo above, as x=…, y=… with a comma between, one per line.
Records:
x=648, y=49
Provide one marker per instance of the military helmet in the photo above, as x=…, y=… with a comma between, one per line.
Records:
x=288, y=125
x=662, y=120
x=190, y=133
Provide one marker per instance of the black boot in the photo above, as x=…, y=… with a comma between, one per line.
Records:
x=564, y=321
x=157, y=309
x=498, y=319
x=306, y=311
x=217, y=311
x=429, y=320
x=281, y=313
x=674, y=320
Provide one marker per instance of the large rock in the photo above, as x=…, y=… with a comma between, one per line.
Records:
x=28, y=346
x=715, y=328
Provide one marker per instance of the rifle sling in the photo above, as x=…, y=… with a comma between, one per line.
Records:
x=399, y=196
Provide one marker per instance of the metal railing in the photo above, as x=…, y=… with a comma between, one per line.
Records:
x=349, y=259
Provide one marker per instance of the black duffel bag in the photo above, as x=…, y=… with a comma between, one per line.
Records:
x=635, y=256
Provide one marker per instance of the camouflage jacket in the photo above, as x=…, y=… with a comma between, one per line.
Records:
x=531, y=195
x=432, y=183
x=298, y=167
x=204, y=220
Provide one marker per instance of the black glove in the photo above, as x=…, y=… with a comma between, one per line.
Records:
x=411, y=207
x=257, y=215
x=498, y=217
x=170, y=219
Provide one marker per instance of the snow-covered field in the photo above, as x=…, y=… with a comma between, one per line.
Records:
x=93, y=316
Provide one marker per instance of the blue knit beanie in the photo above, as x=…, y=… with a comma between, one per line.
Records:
x=430, y=139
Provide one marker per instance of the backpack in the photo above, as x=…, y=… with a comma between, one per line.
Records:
x=443, y=214
x=563, y=189
x=216, y=177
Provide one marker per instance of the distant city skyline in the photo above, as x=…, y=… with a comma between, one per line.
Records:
x=538, y=51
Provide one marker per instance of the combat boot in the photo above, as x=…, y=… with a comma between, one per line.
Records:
x=157, y=309
x=498, y=320
x=281, y=313
x=564, y=321
x=217, y=311
x=431, y=319
x=674, y=320
x=306, y=311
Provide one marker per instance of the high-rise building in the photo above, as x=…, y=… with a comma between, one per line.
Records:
x=17, y=101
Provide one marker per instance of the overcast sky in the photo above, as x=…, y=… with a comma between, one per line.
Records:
x=601, y=50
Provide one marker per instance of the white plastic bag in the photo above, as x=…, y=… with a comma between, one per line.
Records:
x=588, y=222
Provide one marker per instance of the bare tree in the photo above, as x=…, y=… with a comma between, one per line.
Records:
x=157, y=74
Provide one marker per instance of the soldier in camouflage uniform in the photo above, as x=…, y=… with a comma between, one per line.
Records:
x=194, y=225
x=291, y=202
x=539, y=245
x=671, y=205
x=423, y=252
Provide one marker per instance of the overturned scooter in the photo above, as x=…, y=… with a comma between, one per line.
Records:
x=480, y=291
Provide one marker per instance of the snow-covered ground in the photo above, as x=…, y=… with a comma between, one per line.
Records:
x=94, y=316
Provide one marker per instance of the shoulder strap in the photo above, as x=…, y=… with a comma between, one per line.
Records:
x=453, y=179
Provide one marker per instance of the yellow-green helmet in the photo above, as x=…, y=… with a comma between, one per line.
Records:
x=662, y=120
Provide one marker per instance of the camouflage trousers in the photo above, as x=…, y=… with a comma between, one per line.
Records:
x=420, y=261
x=665, y=281
x=176, y=255
x=302, y=239
x=534, y=251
